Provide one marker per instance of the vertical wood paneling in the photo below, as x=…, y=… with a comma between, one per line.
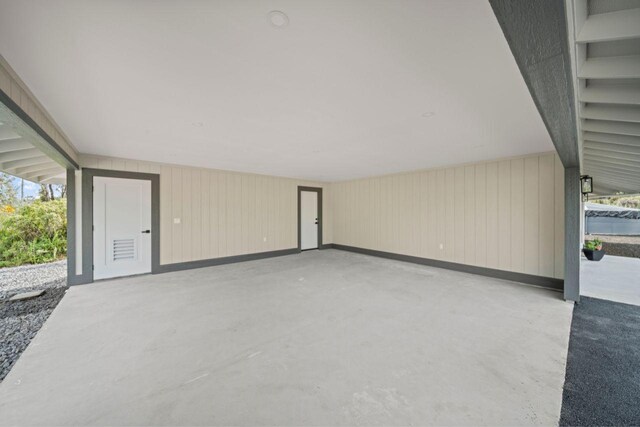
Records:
x=450, y=225
x=205, y=209
x=487, y=214
x=470, y=214
x=493, y=240
x=187, y=224
x=166, y=215
x=176, y=213
x=504, y=214
x=546, y=206
x=459, y=216
x=442, y=214
x=480, y=215
x=531, y=216
x=196, y=215
x=517, y=214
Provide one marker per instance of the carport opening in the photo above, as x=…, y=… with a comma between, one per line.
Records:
x=33, y=234
x=611, y=253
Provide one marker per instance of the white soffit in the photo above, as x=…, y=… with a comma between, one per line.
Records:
x=333, y=90
x=20, y=155
x=606, y=51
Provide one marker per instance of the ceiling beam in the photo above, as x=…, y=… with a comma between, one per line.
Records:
x=7, y=132
x=614, y=148
x=610, y=67
x=618, y=25
x=610, y=112
x=24, y=162
x=614, y=176
x=622, y=170
x=611, y=94
x=613, y=162
x=15, y=144
x=50, y=176
x=36, y=168
x=632, y=141
x=618, y=128
x=612, y=157
x=19, y=155
x=46, y=172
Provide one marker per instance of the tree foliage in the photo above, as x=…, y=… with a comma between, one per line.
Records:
x=8, y=195
x=632, y=202
x=33, y=233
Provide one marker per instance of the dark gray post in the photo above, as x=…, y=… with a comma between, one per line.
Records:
x=71, y=226
x=572, y=233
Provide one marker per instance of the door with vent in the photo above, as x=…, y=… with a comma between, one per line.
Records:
x=122, y=227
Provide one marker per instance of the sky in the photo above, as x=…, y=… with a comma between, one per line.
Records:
x=30, y=188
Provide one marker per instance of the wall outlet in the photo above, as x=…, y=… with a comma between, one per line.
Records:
x=264, y=239
x=441, y=246
x=176, y=220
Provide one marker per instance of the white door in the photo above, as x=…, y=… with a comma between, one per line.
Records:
x=122, y=227
x=308, y=220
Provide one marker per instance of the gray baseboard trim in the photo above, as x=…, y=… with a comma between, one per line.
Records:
x=530, y=279
x=326, y=246
x=179, y=266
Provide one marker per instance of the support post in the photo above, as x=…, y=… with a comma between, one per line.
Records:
x=572, y=233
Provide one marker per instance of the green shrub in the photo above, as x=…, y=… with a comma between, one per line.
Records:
x=593, y=245
x=33, y=234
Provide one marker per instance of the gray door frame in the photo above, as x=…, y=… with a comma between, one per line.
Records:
x=87, y=217
x=319, y=191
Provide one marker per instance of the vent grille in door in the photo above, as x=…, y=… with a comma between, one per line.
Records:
x=124, y=249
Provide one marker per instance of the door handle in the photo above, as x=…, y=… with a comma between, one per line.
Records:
x=146, y=231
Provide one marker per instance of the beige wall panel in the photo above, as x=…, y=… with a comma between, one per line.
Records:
x=504, y=214
x=450, y=226
x=442, y=214
x=546, y=247
x=459, y=215
x=480, y=215
x=196, y=215
x=166, y=215
x=176, y=213
x=484, y=214
x=517, y=214
x=470, y=214
x=531, y=215
x=222, y=213
x=493, y=231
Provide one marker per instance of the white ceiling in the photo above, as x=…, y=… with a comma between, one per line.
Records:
x=340, y=93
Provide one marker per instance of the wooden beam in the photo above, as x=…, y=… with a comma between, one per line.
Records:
x=632, y=141
x=611, y=94
x=618, y=128
x=613, y=148
x=20, y=155
x=611, y=112
x=610, y=67
x=15, y=144
x=618, y=25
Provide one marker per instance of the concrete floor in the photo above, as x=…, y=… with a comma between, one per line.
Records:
x=613, y=278
x=320, y=338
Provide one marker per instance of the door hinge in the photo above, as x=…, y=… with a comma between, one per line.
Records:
x=93, y=228
x=93, y=267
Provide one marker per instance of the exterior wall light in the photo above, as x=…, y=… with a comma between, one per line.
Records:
x=586, y=186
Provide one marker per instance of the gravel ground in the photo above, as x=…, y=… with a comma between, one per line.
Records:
x=20, y=321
